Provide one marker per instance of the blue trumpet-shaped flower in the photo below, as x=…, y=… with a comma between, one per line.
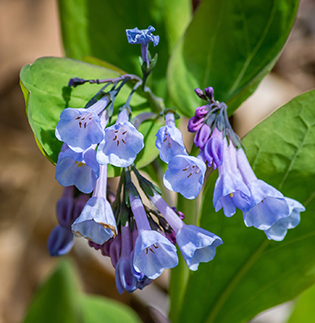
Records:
x=81, y=128
x=121, y=144
x=152, y=251
x=185, y=175
x=78, y=169
x=127, y=279
x=268, y=206
x=270, y=210
x=169, y=140
x=196, y=244
x=230, y=191
x=97, y=222
x=144, y=36
x=279, y=229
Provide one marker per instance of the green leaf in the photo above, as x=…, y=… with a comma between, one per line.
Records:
x=44, y=85
x=60, y=300
x=250, y=273
x=304, y=311
x=98, y=28
x=230, y=45
x=100, y=309
x=56, y=299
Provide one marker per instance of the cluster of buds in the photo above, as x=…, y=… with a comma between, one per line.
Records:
x=262, y=205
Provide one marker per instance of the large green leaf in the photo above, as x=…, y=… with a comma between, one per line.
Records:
x=60, y=300
x=304, y=310
x=44, y=84
x=250, y=273
x=56, y=299
x=98, y=28
x=230, y=45
x=98, y=309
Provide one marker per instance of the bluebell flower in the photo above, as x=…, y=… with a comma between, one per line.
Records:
x=127, y=279
x=143, y=37
x=279, y=229
x=152, y=251
x=268, y=206
x=169, y=140
x=230, y=191
x=185, y=175
x=97, y=222
x=81, y=128
x=121, y=144
x=78, y=169
x=270, y=210
x=196, y=244
x=60, y=241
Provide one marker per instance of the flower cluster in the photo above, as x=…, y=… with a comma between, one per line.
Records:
x=262, y=205
x=140, y=239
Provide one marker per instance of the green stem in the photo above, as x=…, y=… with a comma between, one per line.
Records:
x=180, y=274
x=156, y=103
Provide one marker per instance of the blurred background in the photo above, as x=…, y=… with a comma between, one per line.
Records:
x=28, y=190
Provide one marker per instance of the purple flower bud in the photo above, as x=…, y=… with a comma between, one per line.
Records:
x=194, y=124
x=200, y=93
x=209, y=92
x=202, y=136
x=201, y=111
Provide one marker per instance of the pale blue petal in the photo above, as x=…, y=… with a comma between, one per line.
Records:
x=268, y=206
x=78, y=169
x=169, y=142
x=144, y=36
x=197, y=245
x=120, y=146
x=185, y=175
x=79, y=129
x=153, y=253
x=96, y=222
x=230, y=192
x=279, y=229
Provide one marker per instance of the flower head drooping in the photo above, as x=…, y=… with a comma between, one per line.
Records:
x=81, y=128
x=196, y=244
x=230, y=191
x=279, y=229
x=185, y=175
x=270, y=210
x=97, y=222
x=127, y=279
x=263, y=206
x=78, y=169
x=153, y=252
x=121, y=144
x=169, y=140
